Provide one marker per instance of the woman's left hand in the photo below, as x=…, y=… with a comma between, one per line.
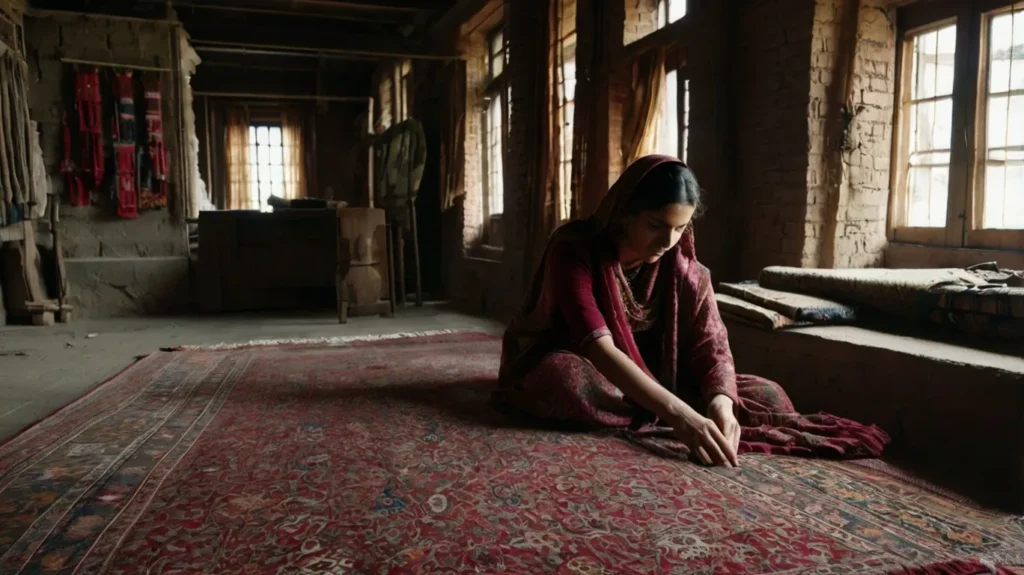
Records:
x=720, y=411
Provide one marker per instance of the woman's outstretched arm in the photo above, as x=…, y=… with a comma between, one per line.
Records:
x=569, y=275
x=701, y=434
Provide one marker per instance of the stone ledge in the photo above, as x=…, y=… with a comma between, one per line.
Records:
x=954, y=413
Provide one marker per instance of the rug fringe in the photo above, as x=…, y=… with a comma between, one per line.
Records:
x=318, y=341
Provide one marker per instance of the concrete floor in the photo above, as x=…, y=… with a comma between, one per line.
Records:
x=44, y=368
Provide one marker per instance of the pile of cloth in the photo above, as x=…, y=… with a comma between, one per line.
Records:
x=21, y=196
x=981, y=300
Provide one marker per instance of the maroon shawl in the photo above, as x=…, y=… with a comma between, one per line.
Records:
x=696, y=361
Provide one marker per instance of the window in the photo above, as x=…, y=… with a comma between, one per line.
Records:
x=929, y=108
x=1003, y=177
x=403, y=89
x=674, y=117
x=565, y=52
x=266, y=165
x=670, y=11
x=958, y=169
x=495, y=126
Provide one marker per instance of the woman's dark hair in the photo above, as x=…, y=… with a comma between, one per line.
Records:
x=668, y=183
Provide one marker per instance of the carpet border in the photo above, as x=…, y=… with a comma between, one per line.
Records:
x=334, y=341
x=88, y=392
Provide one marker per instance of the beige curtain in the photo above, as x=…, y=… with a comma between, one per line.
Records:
x=640, y=125
x=294, y=160
x=453, y=130
x=236, y=154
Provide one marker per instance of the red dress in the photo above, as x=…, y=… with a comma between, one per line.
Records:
x=580, y=293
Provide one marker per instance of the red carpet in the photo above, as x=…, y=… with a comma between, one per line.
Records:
x=384, y=457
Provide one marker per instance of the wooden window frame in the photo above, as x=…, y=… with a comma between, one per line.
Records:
x=495, y=89
x=675, y=60
x=563, y=35
x=965, y=201
x=255, y=123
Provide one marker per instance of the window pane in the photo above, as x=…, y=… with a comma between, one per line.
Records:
x=252, y=135
x=252, y=153
x=275, y=136
x=998, y=107
x=995, y=185
x=497, y=65
x=1000, y=53
x=676, y=10
x=262, y=136
x=928, y=194
x=930, y=114
x=925, y=48
x=1017, y=69
x=569, y=69
x=938, y=196
x=925, y=126
x=1013, y=210
x=942, y=132
x=276, y=173
x=1004, y=122
x=497, y=43
x=262, y=155
x=686, y=121
x=277, y=156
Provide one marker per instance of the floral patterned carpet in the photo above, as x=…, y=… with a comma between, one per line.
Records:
x=385, y=457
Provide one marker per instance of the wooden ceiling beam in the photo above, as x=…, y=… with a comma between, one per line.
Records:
x=308, y=52
x=360, y=16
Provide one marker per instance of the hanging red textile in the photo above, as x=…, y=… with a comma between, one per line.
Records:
x=72, y=178
x=153, y=187
x=88, y=103
x=124, y=147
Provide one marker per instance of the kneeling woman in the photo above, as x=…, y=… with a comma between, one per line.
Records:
x=620, y=329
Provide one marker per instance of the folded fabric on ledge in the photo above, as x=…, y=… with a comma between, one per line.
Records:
x=753, y=315
x=900, y=292
x=795, y=306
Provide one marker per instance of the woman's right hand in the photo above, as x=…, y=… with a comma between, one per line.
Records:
x=702, y=436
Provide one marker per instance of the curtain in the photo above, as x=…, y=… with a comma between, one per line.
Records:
x=640, y=125
x=294, y=159
x=591, y=16
x=236, y=155
x=530, y=63
x=453, y=131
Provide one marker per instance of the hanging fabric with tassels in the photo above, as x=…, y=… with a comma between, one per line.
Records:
x=124, y=146
x=153, y=181
x=88, y=103
x=77, y=194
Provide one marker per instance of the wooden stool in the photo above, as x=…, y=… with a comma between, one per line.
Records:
x=364, y=264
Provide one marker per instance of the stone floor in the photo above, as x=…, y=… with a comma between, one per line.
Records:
x=44, y=368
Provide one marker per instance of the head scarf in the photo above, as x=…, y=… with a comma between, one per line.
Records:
x=675, y=272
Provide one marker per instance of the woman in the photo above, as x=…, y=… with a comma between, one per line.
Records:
x=620, y=329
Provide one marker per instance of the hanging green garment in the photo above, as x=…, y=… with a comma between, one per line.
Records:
x=400, y=155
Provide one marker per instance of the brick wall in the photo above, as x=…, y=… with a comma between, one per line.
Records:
x=474, y=47
x=813, y=197
x=117, y=266
x=93, y=231
x=772, y=79
x=641, y=18
x=848, y=178
x=766, y=139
